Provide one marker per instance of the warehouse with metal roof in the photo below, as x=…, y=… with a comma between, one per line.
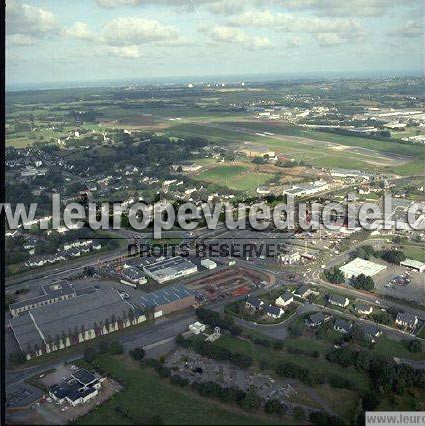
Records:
x=361, y=266
x=168, y=299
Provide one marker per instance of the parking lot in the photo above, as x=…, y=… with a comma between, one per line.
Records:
x=401, y=282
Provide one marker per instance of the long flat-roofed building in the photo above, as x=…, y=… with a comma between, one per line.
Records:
x=69, y=322
x=413, y=264
x=361, y=266
x=52, y=293
x=167, y=300
x=169, y=269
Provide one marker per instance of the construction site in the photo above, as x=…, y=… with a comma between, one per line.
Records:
x=228, y=282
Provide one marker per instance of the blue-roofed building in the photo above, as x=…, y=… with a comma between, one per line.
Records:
x=167, y=300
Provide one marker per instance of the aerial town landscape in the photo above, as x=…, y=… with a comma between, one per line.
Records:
x=224, y=325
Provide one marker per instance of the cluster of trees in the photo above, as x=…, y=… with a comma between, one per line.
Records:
x=334, y=275
x=137, y=354
x=386, y=375
x=363, y=282
x=393, y=256
x=382, y=317
x=213, y=319
x=216, y=352
x=103, y=347
x=390, y=256
x=364, y=252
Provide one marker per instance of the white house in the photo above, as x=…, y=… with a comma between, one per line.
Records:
x=285, y=299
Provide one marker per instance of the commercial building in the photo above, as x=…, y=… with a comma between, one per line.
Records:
x=302, y=190
x=52, y=293
x=414, y=264
x=197, y=327
x=347, y=173
x=208, y=263
x=361, y=266
x=131, y=275
x=290, y=258
x=169, y=268
x=80, y=388
x=167, y=300
x=69, y=322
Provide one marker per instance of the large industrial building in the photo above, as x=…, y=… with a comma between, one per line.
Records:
x=167, y=300
x=168, y=269
x=361, y=266
x=52, y=293
x=69, y=322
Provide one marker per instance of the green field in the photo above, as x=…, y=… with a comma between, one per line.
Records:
x=234, y=177
x=414, y=252
x=146, y=396
x=395, y=348
x=287, y=141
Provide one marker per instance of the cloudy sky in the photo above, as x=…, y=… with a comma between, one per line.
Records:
x=86, y=40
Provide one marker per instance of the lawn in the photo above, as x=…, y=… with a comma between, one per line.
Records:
x=146, y=396
x=414, y=252
x=386, y=346
x=234, y=177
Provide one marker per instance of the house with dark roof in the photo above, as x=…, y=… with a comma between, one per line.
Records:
x=285, y=299
x=363, y=308
x=342, y=326
x=302, y=291
x=315, y=319
x=254, y=303
x=406, y=319
x=274, y=312
x=336, y=300
x=370, y=331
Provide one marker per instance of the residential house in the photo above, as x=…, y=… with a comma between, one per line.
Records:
x=337, y=300
x=274, y=312
x=406, y=319
x=254, y=303
x=342, y=326
x=315, y=319
x=285, y=299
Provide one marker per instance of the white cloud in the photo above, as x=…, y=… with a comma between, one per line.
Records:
x=21, y=40
x=134, y=31
x=294, y=42
x=229, y=35
x=329, y=39
x=411, y=29
x=126, y=52
x=79, y=30
x=295, y=23
x=342, y=8
x=25, y=20
x=108, y=4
